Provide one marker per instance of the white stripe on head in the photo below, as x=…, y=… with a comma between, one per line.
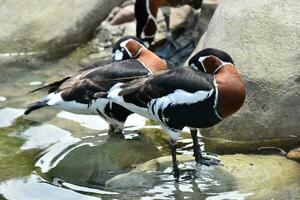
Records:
x=201, y=59
x=118, y=55
x=123, y=44
x=216, y=99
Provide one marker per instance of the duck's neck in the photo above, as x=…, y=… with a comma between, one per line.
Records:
x=151, y=61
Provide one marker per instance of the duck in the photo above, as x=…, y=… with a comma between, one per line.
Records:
x=146, y=26
x=201, y=95
x=74, y=93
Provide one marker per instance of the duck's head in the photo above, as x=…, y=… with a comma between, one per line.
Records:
x=128, y=47
x=210, y=60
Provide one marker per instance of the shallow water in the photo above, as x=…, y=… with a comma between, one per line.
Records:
x=69, y=167
x=57, y=164
x=59, y=171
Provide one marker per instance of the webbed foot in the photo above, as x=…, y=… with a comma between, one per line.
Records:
x=176, y=173
x=207, y=160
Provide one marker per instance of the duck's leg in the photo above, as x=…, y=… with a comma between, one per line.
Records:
x=199, y=158
x=169, y=48
x=176, y=171
x=113, y=131
x=146, y=25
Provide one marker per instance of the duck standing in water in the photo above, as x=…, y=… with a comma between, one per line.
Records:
x=146, y=27
x=199, y=96
x=76, y=93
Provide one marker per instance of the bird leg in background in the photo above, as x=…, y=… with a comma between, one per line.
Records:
x=199, y=158
x=166, y=10
x=176, y=171
x=169, y=48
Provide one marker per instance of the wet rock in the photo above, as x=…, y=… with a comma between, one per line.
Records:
x=294, y=154
x=132, y=180
x=255, y=35
x=48, y=29
x=259, y=177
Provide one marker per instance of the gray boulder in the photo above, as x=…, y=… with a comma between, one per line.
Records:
x=262, y=36
x=41, y=28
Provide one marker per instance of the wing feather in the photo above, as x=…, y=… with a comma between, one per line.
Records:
x=140, y=92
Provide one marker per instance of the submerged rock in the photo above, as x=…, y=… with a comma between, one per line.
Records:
x=262, y=36
x=48, y=28
x=255, y=177
x=95, y=159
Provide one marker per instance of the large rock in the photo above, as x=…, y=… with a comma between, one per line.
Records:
x=48, y=28
x=251, y=176
x=262, y=36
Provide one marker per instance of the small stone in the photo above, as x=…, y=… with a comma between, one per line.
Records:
x=124, y=15
x=294, y=154
x=2, y=98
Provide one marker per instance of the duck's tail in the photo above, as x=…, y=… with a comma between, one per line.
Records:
x=51, y=86
x=49, y=100
x=35, y=106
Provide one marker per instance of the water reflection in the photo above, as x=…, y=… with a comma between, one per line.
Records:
x=43, y=136
x=9, y=115
x=89, y=121
x=196, y=182
x=35, y=187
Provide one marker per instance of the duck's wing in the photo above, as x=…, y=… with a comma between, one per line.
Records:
x=83, y=87
x=52, y=87
x=140, y=92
